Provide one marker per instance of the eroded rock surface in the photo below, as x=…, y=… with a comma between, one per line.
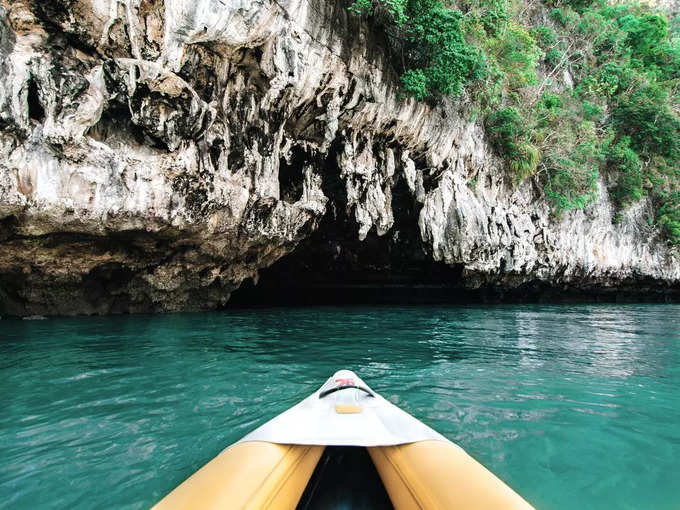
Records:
x=154, y=155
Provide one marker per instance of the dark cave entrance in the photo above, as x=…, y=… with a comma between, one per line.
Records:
x=333, y=267
x=35, y=108
x=291, y=175
x=278, y=288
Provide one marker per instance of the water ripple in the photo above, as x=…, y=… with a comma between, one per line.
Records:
x=566, y=403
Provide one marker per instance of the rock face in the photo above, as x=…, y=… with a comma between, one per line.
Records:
x=154, y=155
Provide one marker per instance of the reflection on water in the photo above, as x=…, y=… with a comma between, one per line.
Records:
x=574, y=406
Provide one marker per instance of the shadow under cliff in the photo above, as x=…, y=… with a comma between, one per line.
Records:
x=300, y=279
x=333, y=267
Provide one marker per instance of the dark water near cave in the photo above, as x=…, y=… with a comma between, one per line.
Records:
x=573, y=406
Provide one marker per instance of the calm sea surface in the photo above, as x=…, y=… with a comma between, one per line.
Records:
x=576, y=407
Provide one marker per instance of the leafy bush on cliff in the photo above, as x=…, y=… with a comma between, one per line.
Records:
x=592, y=91
x=516, y=53
x=435, y=58
x=669, y=216
x=620, y=119
x=627, y=166
x=508, y=133
x=645, y=115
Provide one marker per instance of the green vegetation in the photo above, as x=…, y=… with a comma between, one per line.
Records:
x=435, y=58
x=508, y=132
x=593, y=91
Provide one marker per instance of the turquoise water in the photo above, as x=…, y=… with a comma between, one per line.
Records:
x=576, y=407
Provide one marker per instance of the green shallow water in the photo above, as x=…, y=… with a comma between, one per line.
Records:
x=575, y=407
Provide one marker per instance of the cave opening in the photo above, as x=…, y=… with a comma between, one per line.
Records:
x=116, y=129
x=332, y=267
x=290, y=175
x=8, y=227
x=215, y=151
x=36, y=111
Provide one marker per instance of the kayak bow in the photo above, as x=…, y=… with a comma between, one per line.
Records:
x=277, y=464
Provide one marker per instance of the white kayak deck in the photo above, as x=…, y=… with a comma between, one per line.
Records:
x=346, y=416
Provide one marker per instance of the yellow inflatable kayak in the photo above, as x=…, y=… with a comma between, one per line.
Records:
x=343, y=447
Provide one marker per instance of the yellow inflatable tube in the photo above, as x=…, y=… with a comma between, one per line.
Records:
x=248, y=476
x=428, y=475
x=438, y=475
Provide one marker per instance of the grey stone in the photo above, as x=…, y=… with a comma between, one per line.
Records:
x=154, y=155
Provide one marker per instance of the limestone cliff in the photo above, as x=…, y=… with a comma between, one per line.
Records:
x=154, y=155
